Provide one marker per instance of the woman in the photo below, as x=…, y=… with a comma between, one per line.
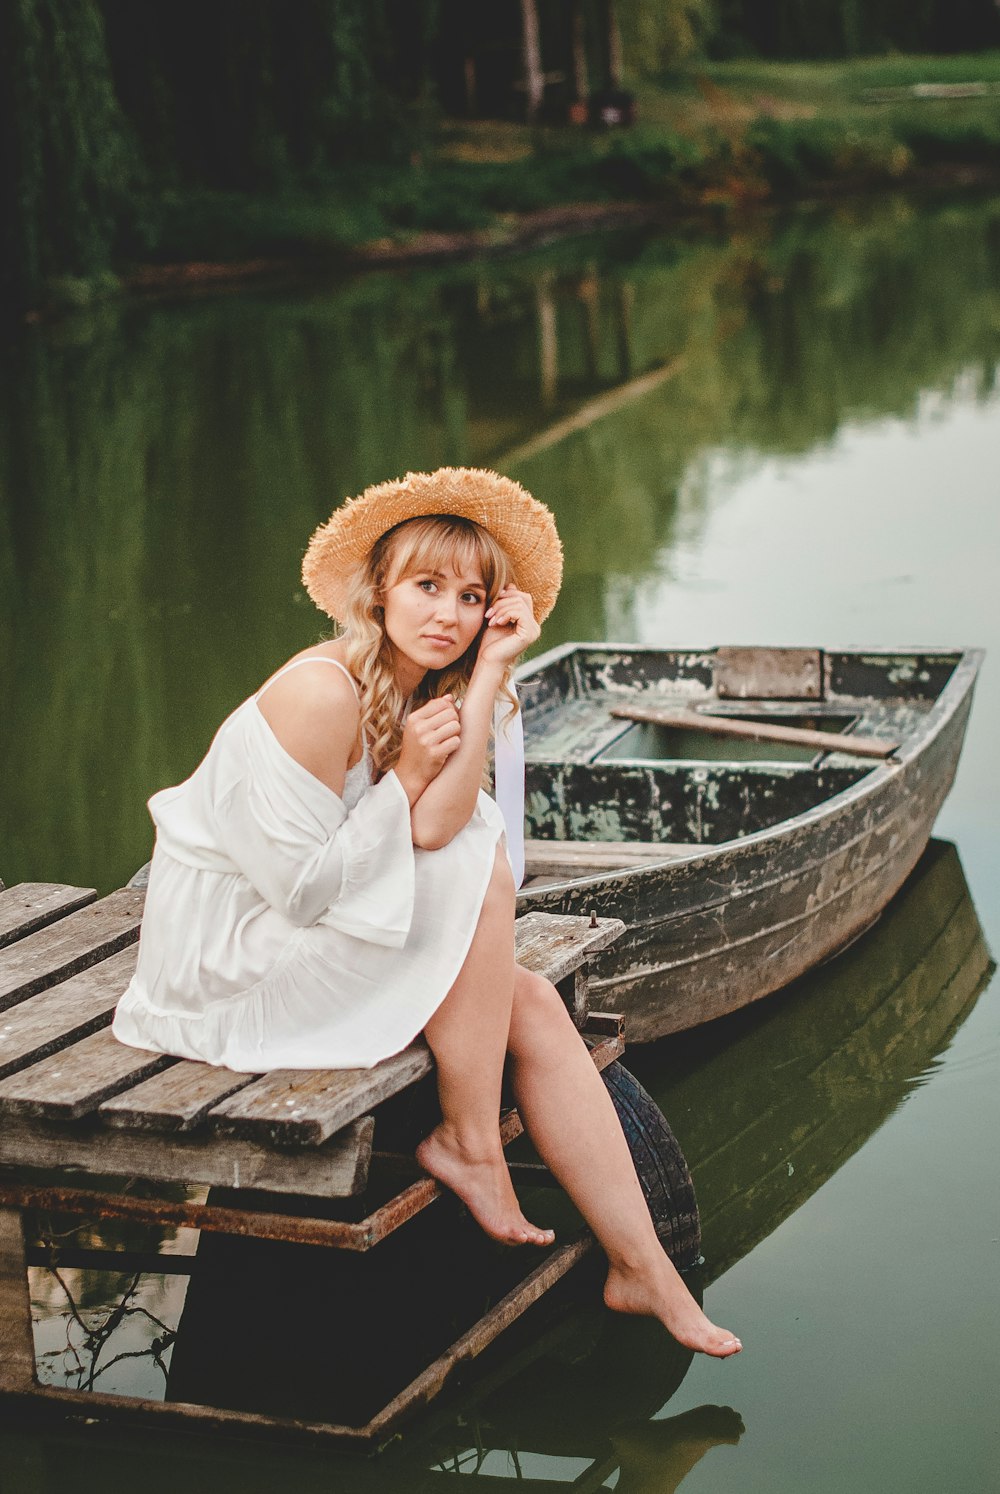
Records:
x=332, y=880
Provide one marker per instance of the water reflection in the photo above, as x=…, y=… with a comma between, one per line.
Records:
x=647, y=1458
x=92, y=1357
x=162, y=463
x=98, y=1329
x=768, y=1105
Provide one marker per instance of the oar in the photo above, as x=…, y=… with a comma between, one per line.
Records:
x=758, y=731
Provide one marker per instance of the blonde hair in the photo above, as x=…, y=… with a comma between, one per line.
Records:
x=423, y=544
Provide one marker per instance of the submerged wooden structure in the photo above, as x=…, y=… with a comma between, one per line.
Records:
x=94, y=1129
x=747, y=812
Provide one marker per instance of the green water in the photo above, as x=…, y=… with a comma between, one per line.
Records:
x=819, y=462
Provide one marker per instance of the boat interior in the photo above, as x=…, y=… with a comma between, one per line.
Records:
x=605, y=790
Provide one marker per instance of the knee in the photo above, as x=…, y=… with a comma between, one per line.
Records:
x=538, y=1012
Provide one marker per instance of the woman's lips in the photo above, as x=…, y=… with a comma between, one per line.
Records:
x=440, y=640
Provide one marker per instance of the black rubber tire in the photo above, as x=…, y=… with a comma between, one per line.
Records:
x=660, y=1164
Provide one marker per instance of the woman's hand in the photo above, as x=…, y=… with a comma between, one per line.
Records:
x=510, y=627
x=431, y=734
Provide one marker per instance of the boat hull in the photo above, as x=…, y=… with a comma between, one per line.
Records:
x=711, y=933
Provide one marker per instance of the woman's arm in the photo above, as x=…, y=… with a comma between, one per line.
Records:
x=447, y=803
x=312, y=859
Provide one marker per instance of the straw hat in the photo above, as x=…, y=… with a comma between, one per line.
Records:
x=523, y=527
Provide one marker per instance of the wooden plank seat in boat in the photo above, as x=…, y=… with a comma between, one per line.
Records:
x=575, y=858
x=70, y=1095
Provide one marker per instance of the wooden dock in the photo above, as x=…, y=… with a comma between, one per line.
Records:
x=307, y=1157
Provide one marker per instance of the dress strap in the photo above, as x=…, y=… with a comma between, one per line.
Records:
x=316, y=659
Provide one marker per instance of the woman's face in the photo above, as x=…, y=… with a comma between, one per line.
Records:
x=432, y=616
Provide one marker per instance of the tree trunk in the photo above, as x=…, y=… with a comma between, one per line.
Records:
x=548, y=341
x=614, y=46
x=534, y=82
x=578, y=53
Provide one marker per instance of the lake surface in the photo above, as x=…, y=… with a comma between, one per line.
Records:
x=790, y=434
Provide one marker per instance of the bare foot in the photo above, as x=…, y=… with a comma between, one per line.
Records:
x=657, y=1456
x=660, y=1293
x=484, y=1186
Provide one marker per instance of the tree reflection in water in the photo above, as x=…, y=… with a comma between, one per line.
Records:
x=105, y=1329
x=162, y=463
x=79, y=1365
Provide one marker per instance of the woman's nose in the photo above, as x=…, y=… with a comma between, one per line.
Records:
x=447, y=606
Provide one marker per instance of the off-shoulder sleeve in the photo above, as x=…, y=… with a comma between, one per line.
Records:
x=353, y=870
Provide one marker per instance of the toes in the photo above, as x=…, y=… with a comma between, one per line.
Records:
x=527, y=1234
x=538, y=1234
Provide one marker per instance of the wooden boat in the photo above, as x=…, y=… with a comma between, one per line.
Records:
x=747, y=812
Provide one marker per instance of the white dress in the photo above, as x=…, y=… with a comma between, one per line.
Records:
x=287, y=926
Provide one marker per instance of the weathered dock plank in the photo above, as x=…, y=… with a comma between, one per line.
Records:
x=296, y=1107
x=337, y=1170
x=74, y=1082
x=64, y=1013
x=176, y=1099
x=556, y=944
x=32, y=905
x=71, y=944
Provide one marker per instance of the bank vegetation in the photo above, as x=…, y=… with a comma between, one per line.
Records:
x=230, y=136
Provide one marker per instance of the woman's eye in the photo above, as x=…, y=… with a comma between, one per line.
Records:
x=474, y=598
x=426, y=585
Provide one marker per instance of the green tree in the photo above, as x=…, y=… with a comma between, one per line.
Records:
x=66, y=161
x=659, y=34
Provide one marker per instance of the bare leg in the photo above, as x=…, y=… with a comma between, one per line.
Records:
x=468, y=1037
x=570, y=1117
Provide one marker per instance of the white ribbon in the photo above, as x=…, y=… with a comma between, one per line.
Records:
x=508, y=777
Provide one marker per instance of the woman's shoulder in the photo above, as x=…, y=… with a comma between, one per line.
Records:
x=314, y=711
x=315, y=674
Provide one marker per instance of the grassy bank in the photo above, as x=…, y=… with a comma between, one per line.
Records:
x=714, y=140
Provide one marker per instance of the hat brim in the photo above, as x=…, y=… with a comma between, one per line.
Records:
x=523, y=527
